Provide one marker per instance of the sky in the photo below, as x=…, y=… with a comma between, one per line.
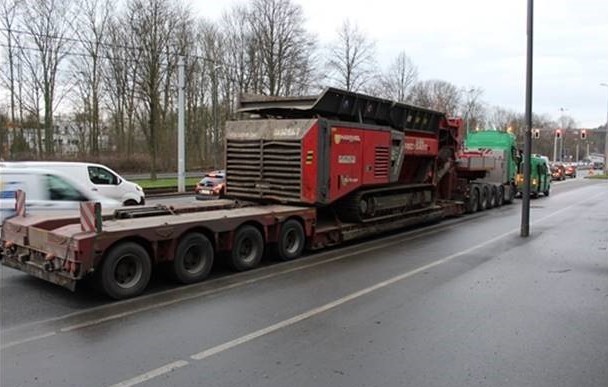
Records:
x=482, y=44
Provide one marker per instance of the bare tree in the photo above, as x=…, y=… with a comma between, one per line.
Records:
x=91, y=28
x=152, y=25
x=281, y=46
x=399, y=79
x=473, y=109
x=436, y=94
x=48, y=25
x=8, y=15
x=351, y=59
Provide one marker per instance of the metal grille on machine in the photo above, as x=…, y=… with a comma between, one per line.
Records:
x=264, y=169
x=381, y=162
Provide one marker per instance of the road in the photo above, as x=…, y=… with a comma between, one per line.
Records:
x=460, y=303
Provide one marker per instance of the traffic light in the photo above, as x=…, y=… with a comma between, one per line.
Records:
x=583, y=134
x=536, y=133
x=558, y=133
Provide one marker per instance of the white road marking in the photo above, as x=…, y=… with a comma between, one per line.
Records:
x=152, y=374
x=33, y=338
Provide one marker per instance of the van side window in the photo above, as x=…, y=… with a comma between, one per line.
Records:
x=99, y=175
x=59, y=189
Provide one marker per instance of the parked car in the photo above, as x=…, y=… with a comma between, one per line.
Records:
x=211, y=186
x=558, y=171
x=45, y=191
x=93, y=177
x=570, y=170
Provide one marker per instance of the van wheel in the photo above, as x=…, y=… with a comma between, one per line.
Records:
x=248, y=248
x=291, y=241
x=193, y=258
x=130, y=202
x=125, y=271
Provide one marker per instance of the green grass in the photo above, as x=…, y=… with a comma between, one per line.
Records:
x=598, y=177
x=165, y=183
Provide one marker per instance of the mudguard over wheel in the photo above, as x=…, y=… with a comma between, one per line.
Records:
x=247, y=249
x=125, y=271
x=291, y=241
x=193, y=258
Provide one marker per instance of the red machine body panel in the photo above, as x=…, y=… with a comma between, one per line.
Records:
x=310, y=164
x=357, y=157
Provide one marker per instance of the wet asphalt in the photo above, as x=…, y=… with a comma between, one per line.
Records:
x=460, y=303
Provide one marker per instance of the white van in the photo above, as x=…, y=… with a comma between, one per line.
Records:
x=46, y=191
x=95, y=177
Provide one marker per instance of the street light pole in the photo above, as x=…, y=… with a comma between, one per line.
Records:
x=606, y=136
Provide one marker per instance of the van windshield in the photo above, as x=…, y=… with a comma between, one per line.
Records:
x=59, y=189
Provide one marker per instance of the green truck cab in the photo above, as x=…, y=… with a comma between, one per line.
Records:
x=540, y=176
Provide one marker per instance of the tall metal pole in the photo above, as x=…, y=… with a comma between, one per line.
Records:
x=606, y=136
x=181, y=117
x=554, y=147
x=525, y=207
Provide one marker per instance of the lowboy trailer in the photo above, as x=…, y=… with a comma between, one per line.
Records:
x=302, y=173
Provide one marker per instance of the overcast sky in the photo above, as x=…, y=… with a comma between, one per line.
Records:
x=482, y=43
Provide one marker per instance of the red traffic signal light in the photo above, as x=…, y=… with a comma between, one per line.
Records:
x=558, y=133
x=583, y=134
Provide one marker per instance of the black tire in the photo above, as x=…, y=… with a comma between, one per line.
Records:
x=548, y=191
x=500, y=195
x=130, y=202
x=291, y=241
x=511, y=194
x=483, y=198
x=492, y=197
x=125, y=271
x=247, y=249
x=473, y=204
x=193, y=258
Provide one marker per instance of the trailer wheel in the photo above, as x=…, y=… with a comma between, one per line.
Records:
x=193, y=258
x=473, y=203
x=500, y=196
x=247, y=249
x=125, y=271
x=291, y=240
x=547, y=192
x=484, y=198
x=492, y=197
x=511, y=195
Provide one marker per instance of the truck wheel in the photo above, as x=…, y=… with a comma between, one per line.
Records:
x=483, y=198
x=547, y=192
x=125, y=271
x=473, y=203
x=291, y=240
x=193, y=258
x=247, y=249
x=510, y=195
x=492, y=197
x=500, y=196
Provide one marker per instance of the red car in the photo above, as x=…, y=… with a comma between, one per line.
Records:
x=558, y=172
x=570, y=170
x=211, y=186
